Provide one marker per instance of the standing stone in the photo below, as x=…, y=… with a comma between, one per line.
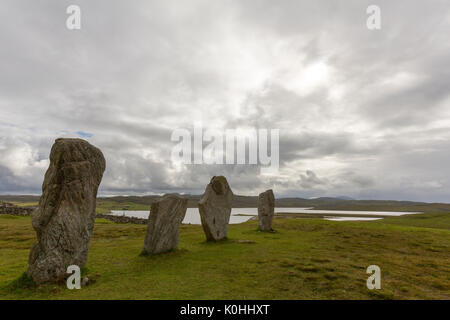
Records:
x=166, y=215
x=64, y=219
x=266, y=206
x=215, y=208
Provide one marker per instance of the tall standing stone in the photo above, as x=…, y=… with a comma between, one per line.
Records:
x=215, y=208
x=166, y=215
x=64, y=219
x=266, y=207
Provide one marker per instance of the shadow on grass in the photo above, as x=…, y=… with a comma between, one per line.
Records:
x=257, y=231
x=171, y=253
x=223, y=241
x=22, y=282
x=25, y=282
x=226, y=241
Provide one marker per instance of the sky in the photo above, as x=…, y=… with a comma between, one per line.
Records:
x=361, y=113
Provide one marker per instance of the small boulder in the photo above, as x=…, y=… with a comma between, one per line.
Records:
x=85, y=282
x=266, y=208
x=166, y=215
x=215, y=208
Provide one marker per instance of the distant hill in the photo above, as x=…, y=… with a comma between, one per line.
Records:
x=323, y=203
x=344, y=198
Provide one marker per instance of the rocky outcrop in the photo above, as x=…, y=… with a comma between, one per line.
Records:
x=215, y=208
x=164, y=222
x=64, y=219
x=266, y=207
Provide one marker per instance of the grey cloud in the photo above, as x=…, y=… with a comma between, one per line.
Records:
x=373, y=125
x=309, y=180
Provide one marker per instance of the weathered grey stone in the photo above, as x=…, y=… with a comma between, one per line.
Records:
x=266, y=206
x=64, y=219
x=215, y=208
x=166, y=215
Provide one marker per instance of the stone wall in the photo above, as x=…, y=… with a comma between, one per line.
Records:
x=122, y=219
x=9, y=208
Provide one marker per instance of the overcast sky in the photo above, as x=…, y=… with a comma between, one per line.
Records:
x=361, y=113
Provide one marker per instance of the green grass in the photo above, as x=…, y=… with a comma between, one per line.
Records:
x=430, y=220
x=304, y=259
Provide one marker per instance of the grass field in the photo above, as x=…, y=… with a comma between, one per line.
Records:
x=303, y=259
